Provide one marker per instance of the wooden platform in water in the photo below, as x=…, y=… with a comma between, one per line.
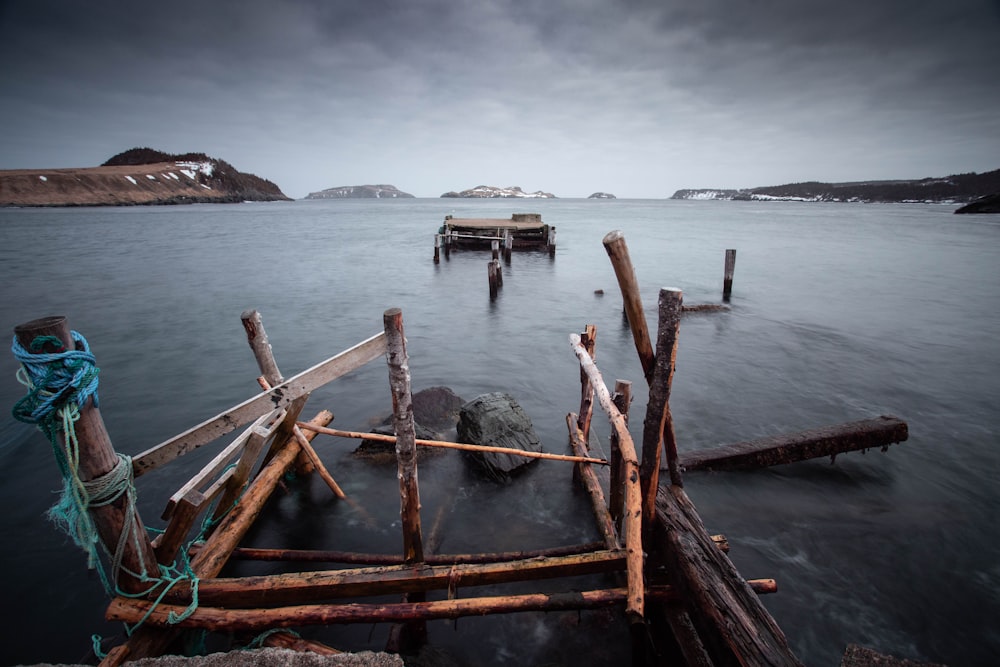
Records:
x=526, y=230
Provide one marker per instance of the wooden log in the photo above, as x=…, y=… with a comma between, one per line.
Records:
x=350, y=557
x=96, y=459
x=605, y=524
x=734, y=626
x=255, y=620
x=278, y=397
x=616, y=501
x=303, y=587
x=614, y=244
x=814, y=443
x=314, y=457
x=632, y=523
x=727, y=278
x=402, y=419
x=382, y=437
x=241, y=473
x=658, y=426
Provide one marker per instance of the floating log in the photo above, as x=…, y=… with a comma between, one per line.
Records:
x=814, y=443
x=118, y=525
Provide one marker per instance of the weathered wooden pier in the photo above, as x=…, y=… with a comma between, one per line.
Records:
x=524, y=231
x=683, y=598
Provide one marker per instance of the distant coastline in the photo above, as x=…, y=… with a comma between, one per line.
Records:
x=954, y=189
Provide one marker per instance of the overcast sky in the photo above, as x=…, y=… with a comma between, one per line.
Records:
x=634, y=97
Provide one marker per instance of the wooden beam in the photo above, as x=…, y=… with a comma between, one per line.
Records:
x=814, y=443
x=605, y=524
x=280, y=396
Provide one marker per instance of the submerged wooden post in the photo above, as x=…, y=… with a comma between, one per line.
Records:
x=437, y=248
x=614, y=244
x=97, y=459
x=658, y=425
x=727, y=278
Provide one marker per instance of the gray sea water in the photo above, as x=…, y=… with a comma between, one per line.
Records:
x=839, y=312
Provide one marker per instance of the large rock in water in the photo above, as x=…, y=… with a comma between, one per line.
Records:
x=435, y=414
x=496, y=420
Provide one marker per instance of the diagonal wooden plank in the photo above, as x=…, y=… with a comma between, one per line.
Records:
x=277, y=397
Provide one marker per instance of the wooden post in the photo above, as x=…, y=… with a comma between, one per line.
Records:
x=658, y=425
x=495, y=248
x=508, y=245
x=493, y=273
x=551, y=240
x=589, y=340
x=614, y=244
x=727, y=278
x=264, y=354
x=616, y=501
x=437, y=248
x=97, y=458
x=402, y=420
x=447, y=242
x=414, y=634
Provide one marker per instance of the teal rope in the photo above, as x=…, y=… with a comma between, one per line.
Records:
x=59, y=385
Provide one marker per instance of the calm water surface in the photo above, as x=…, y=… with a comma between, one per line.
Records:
x=839, y=312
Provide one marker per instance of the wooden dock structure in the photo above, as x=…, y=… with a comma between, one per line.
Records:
x=522, y=231
x=683, y=598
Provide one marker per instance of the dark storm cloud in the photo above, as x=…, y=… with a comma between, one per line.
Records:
x=562, y=94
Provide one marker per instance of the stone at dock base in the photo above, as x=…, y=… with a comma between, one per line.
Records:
x=496, y=420
x=859, y=656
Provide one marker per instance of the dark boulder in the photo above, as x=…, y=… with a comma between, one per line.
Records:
x=496, y=420
x=435, y=415
x=987, y=204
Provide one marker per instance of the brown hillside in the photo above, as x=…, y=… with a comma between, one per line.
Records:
x=174, y=182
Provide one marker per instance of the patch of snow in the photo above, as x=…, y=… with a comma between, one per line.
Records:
x=151, y=177
x=758, y=197
x=173, y=175
x=132, y=179
x=204, y=167
x=42, y=178
x=188, y=173
x=204, y=186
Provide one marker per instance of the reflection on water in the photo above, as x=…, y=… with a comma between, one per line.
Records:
x=839, y=312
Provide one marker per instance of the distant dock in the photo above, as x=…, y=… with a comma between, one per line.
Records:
x=521, y=231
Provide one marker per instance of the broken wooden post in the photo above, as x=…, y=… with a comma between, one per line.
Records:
x=100, y=480
x=589, y=340
x=614, y=244
x=727, y=278
x=495, y=248
x=658, y=425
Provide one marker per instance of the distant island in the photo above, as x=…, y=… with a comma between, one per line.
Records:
x=493, y=192
x=602, y=195
x=137, y=176
x=955, y=189
x=360, y=192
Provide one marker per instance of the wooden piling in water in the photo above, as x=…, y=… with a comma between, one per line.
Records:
x=614, y=244
x=495, y=277
x=437, y=248
x=96, y=460
x=508, y=245
x=727, y=278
